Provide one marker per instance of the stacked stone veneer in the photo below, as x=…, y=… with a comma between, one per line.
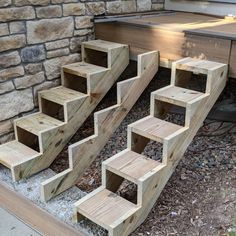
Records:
x=36, y=38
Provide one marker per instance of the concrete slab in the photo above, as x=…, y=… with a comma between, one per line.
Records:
x=12, y=226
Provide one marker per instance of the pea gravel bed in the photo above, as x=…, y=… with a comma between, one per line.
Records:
x=200, y=197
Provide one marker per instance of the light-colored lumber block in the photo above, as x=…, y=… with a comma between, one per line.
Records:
x=154, y=128
x=13, y=153
x=69, y=99
x=101, y=45
x=61, y=95
x=210, y=68
x=44, y=127
x=106, y=208
x=197, y=65
x=130, y=165
x=38, y=123
x=176, y=95
x=83, y=69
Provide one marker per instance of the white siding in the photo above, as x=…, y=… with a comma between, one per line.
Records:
x=216, y=7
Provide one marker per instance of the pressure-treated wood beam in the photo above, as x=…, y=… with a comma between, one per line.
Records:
x=37, y=218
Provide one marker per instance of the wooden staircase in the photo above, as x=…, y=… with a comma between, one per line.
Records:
x=40, y=137
x=120, y=216
x=106, y=121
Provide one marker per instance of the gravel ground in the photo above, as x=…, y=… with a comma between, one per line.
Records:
x=200, y=197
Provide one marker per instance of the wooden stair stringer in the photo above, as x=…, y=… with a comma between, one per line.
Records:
x=162, y=176
x=152, y=183
x=106, y=121
x=52, y=141
x=57, y=140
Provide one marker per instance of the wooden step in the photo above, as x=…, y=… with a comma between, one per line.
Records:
x=38, y=123
x=176, y=95
x=175, y=140
x=61, y=95
x=83, y=69
x=101, y=45
x=197, y=65
x=154, y=128
x=14, y=152
x=82, y=153
x=131, y=165
x=106, y=208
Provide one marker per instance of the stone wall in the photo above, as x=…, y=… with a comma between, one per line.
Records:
x=36, y=38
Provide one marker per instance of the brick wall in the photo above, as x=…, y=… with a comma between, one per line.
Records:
x=36, y=38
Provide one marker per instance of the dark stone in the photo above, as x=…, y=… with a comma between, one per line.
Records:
x=33, y=54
